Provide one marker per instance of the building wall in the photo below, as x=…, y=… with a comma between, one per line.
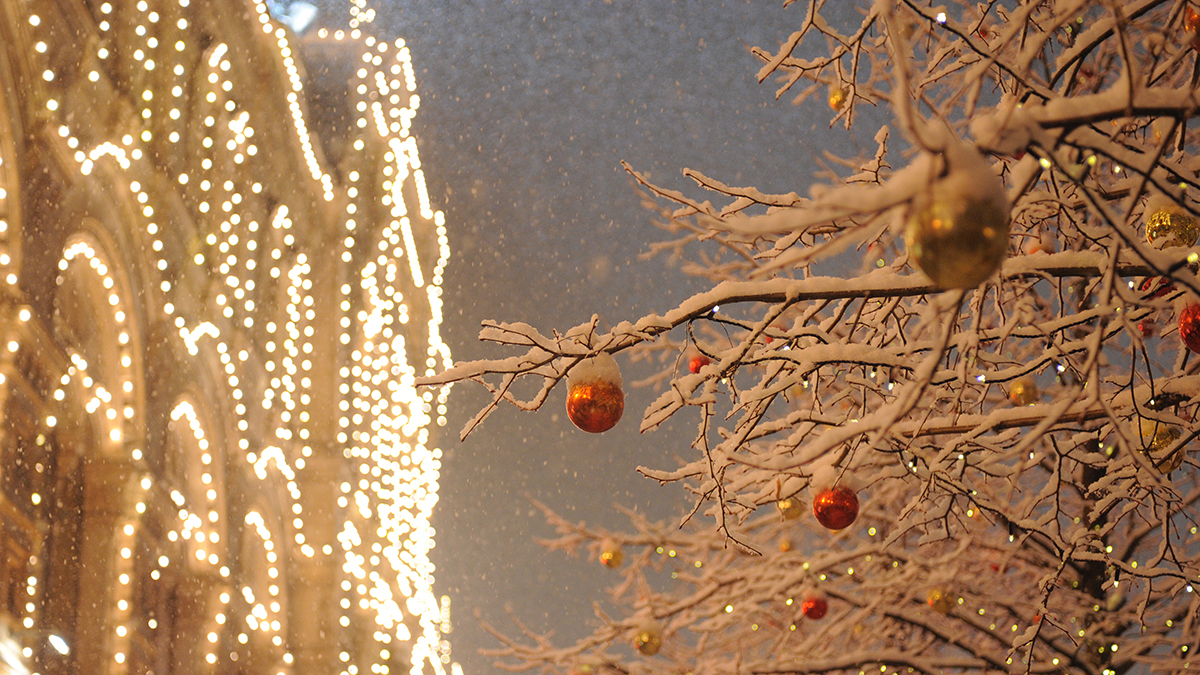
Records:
x=214, y=459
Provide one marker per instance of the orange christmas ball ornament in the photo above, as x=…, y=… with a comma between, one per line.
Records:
x=697, y=362
x=595, y=399
x=1189, y=327
x=814, y=607
x=836, y=508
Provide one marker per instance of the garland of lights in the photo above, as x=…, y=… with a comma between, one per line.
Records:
x=386, y=537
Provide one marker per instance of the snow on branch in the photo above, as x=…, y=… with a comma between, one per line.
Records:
x=946, y=400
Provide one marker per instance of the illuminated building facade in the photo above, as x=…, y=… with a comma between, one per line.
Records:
x=219, y=276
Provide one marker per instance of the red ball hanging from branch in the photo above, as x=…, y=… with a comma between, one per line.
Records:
x=595, y=399
x=836, y=508
x=814, y=607
x=697, y=362
x=1189, y=327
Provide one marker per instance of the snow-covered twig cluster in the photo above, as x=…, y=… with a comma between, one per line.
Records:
x=1019, y=446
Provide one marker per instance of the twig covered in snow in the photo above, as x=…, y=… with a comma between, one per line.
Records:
x=1019, y=450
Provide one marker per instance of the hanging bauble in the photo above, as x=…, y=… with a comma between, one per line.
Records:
x=1191, y=23
x=837, y=98
x=957, y=232
x=836, y=508
x=1189, y=327
x=1156, y=287
x=697, y=362
x=785, y=545
x=1023, y=392
x=814, y=607
x=790, y=508
x=1157, y=439
x=1168, y=224
x=1147, y=328
x=648, y=639
x=611, y=555
x=940, y=601
x=595, y=399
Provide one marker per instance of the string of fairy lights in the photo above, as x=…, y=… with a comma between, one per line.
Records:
x=383, y=426
x=384, y=419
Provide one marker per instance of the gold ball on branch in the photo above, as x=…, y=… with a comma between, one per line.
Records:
x=790, y=508
x=957, y=232
x=940, y=601
x=1023, y=392
x=1157, y=439
x=611, y=554
x=837, y=98
x=595, y=399
x=648, y=640
x=1168, y=225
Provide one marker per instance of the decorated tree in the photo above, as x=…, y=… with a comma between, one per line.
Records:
x=944, y=403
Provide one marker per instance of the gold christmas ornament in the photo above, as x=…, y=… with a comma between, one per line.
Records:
x=790, y=508
x=611, y=555
x=1023, y=392
x=648, y=640
x=940, y=601
x=957, y=232
x=1168, y=225
x=1157, y=439
x=837, y=98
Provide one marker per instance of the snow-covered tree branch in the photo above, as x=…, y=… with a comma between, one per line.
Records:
x=970, y=352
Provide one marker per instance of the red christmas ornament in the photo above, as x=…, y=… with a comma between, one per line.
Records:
x=698, y=361
x=595, y=399
x=1159, y=285
x=1146, y=328
x=595, y=406
x=814, y=607
x=1189, y=327
x=836, y=508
